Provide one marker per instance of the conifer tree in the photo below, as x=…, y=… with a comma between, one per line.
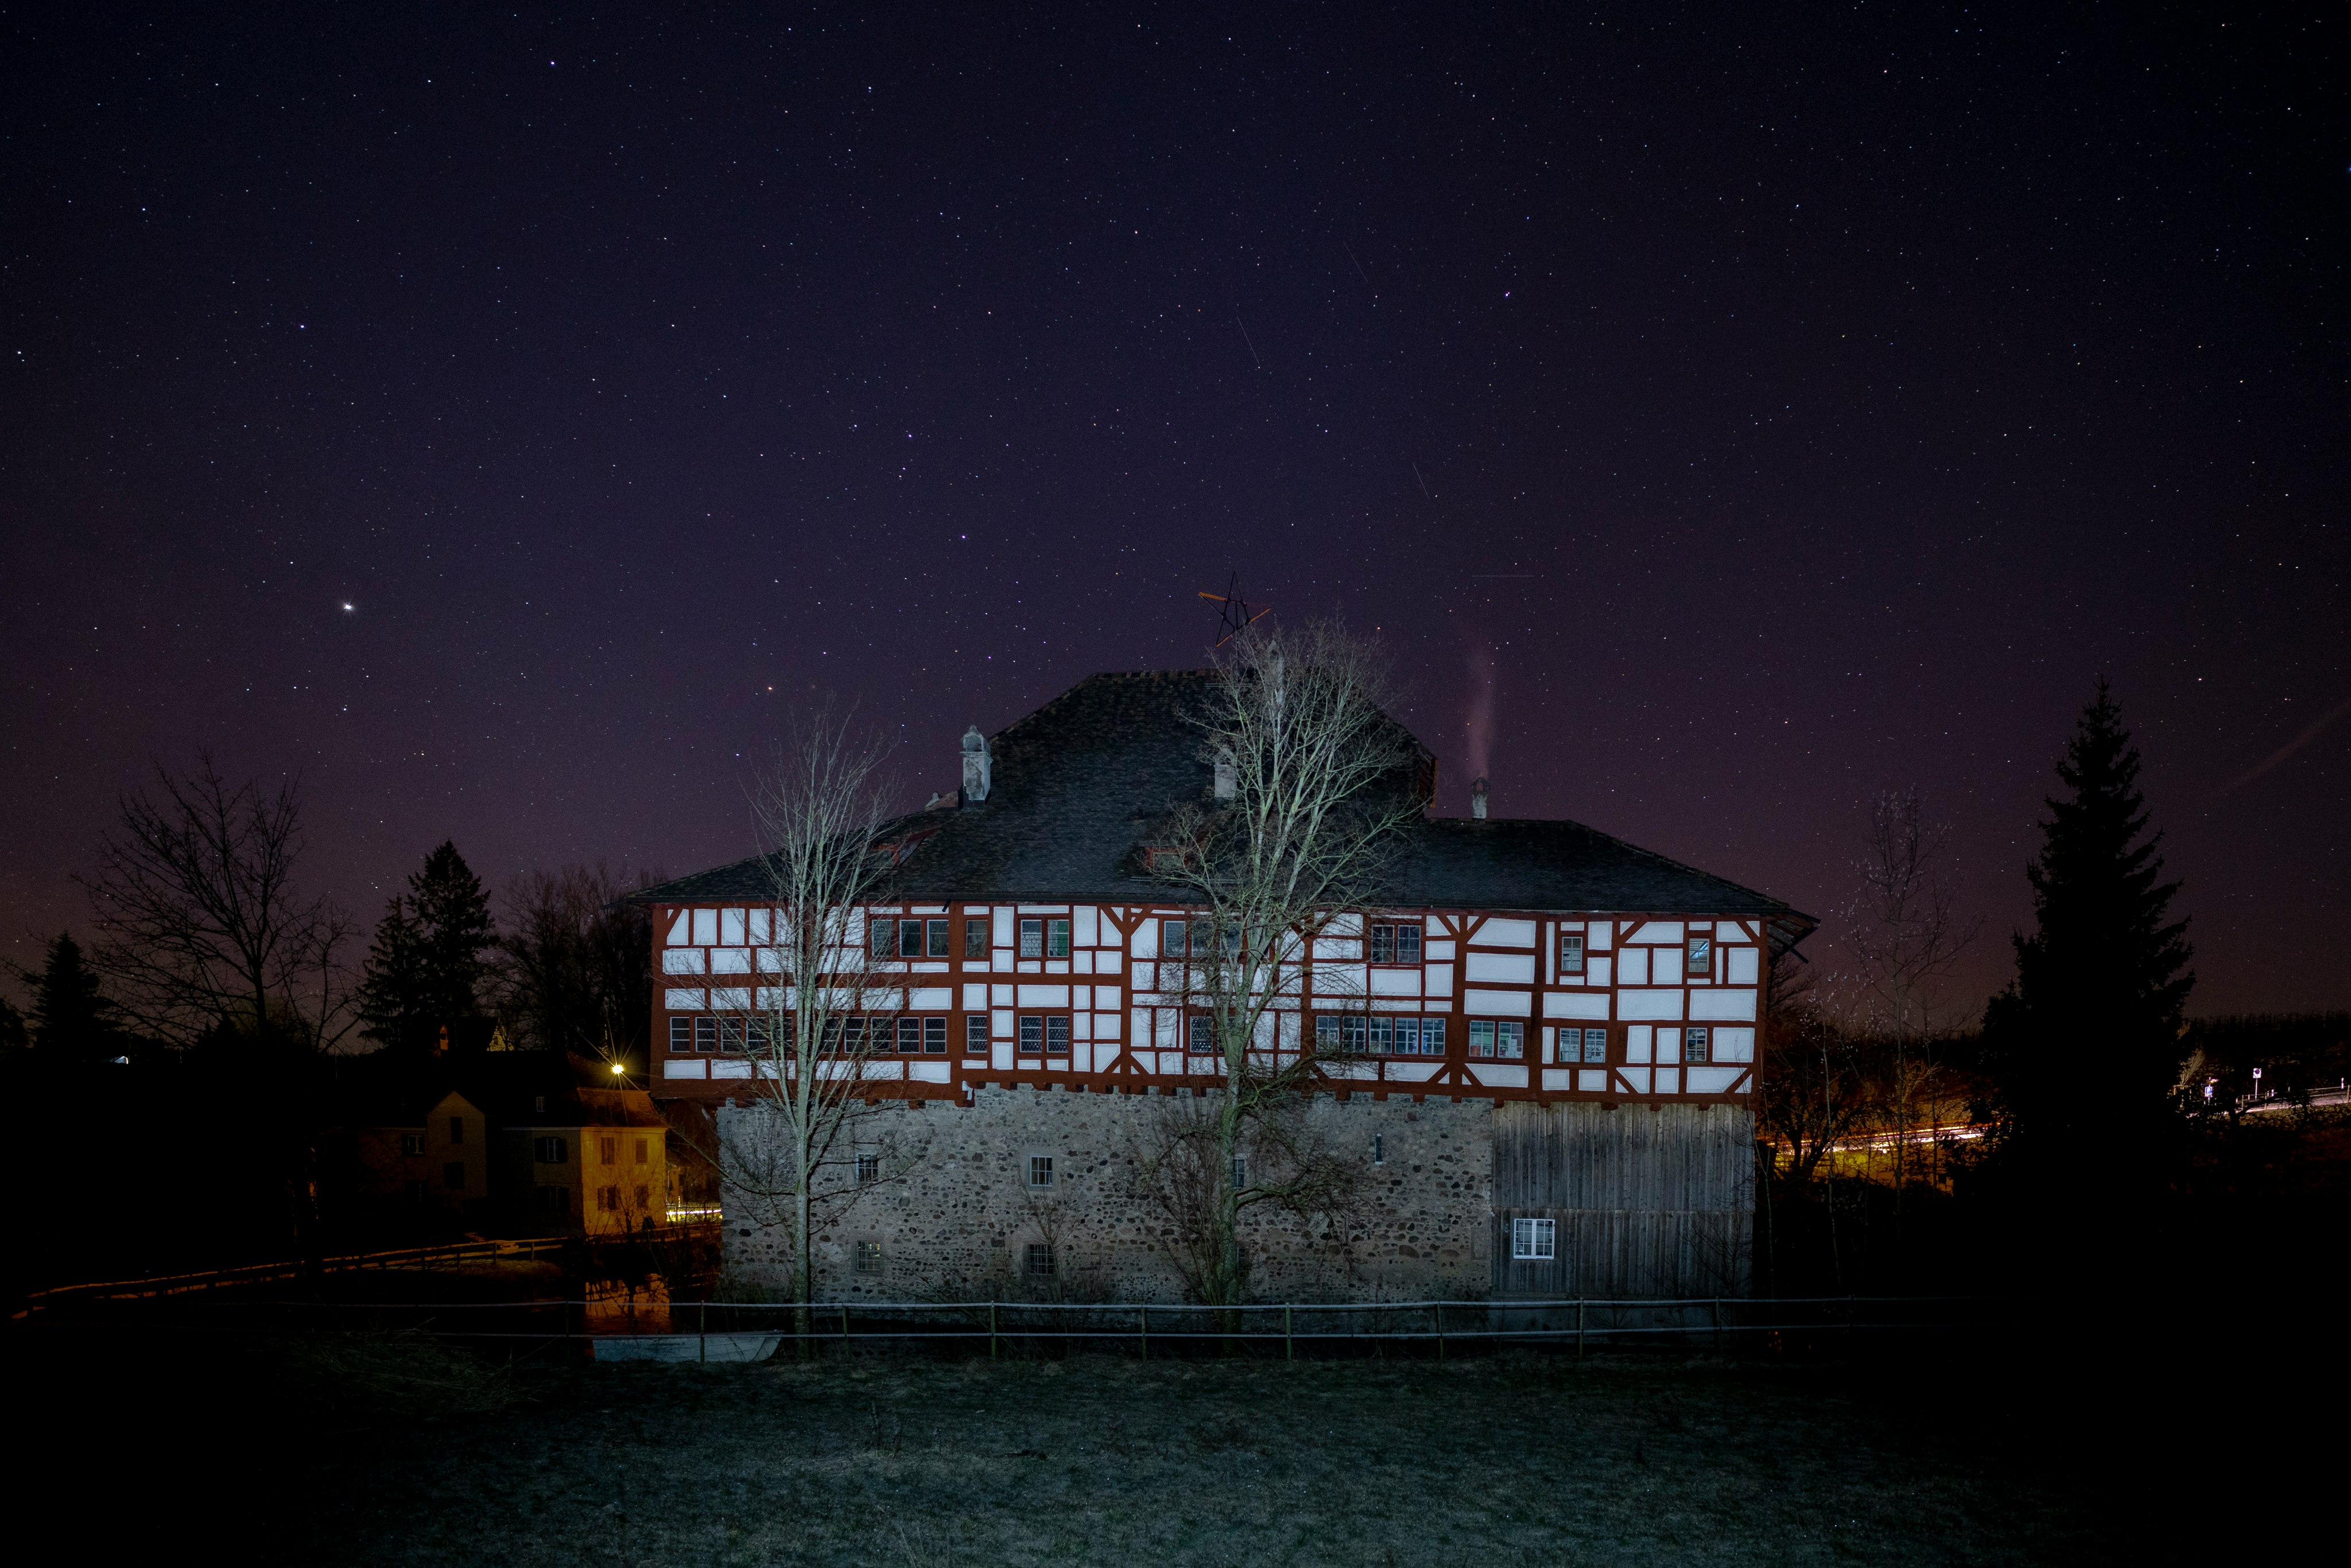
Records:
x=71, y=1017
x=426, y=964
x=2089, y=1030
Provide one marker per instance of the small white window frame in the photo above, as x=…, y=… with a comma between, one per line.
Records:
x=1533, y=1240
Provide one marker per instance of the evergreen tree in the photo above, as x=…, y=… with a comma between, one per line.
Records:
x=426, y=964
x=72, y=1019
x=2089, y=1030
x=454, y=930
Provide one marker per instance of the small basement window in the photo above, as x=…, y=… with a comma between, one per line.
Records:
x=1534, y=1240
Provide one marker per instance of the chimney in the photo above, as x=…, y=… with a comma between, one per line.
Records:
x=1478, y=797
x=1228, y=779
x=975, y=767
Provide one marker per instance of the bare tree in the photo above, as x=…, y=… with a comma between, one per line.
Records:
x=1906, y=934
x=811, y=1017
x=1314, y=784
x=201, y=922
x=1813, y=1091
x=571, y=972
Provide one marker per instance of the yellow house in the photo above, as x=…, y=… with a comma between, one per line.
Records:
x=590, y=1162
x=441, y=1160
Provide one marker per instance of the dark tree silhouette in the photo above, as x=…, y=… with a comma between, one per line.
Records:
x=2088, y=1034
x=72, y=1020
x=574, y=971
x=427, y=961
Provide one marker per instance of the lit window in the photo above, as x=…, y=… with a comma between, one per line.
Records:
x=974, y=938
x=1171, y=939
x=1533, y=1238
x=1033, y=940
x=1032, y=1036
x=869, y=1169
x=1699, y=965
x=1570, y=953
x=1041, y=1170
x=1038, y=1261
x=868, y=1255
x=1694, y=1042
x=975, y=1034
x=1057, y=939
x=1056, y=1035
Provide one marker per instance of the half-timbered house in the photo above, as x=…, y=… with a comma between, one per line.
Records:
x=1540, y=1040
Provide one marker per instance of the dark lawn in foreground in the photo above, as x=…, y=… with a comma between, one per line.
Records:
x=1512, y=1461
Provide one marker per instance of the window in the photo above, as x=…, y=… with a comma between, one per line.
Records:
x=1202, y=1035
x=1041, y=1170
x=1694, y=1042
x=706, y=1035
x=869, y=1169
x=1241, y=1173
x=412, y=1143
x=1057, y=939
x=882, y=935
x=1595, y=1045
x=755, y=1035
x=934, y=1037
x=1698, y=964
x=1432, y=1037
x=1571, y=954
x=554, y=1200
x=608, y=1151
x=975, y=1034
x=644, y=1201
x=452, y=1175
x=549, y=1151
x=644, y=1151
x=910, y=1037
x=608, y=1198
x=1056, y=1035
x=1502, y=1040
x=1229, y=939
x=974, y=938
x=1033, y=940
x=730, y=1036
x=681, y=1034
x=1383, y=1033
x=1395, y=944
x=456, y=1129
x=867, y=1256
x=1532, y=1239
x=909, y=938
x=937, y=935
x=1038, y=1261
x=1032, y=1037
x=1379, y=1149
x=1171, y=939
x=538, y=1104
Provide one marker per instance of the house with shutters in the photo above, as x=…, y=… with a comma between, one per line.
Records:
x=1541, y=1040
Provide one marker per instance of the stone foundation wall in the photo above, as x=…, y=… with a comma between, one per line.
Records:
x=954, y=1212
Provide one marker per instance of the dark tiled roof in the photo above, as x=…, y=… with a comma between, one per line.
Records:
x=1077, y=783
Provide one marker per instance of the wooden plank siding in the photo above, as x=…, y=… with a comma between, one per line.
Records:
x=1649, y=1199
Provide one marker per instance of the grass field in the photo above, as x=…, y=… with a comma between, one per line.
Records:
x=1516, y=1461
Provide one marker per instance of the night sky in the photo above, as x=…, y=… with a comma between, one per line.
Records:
x=503, y=418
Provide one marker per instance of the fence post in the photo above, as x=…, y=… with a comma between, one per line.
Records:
x=844, y=1325
x=991, y=1330
x=1440, y=1330
x=1579, y=1331
x=1289, y=1351
x=702, y=1353
x=1143, y=1315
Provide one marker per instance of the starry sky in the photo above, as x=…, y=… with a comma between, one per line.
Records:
x=503, y=418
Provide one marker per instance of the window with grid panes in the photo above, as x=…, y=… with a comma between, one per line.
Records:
x=1534, y=1240
x=1395, y=944
x=1038, y=1261
x=910, y=1037
x=730, y=1036
x=705, y=1033
x=1201, y=1032
x=1694, y=1045
x=1032, y=1035
x=1571, y=954
x=880, y=935
x=681, y=1034
x=869, y=1169
x=868, y=1257
x=1502, y=1040
x=975, y=1034
x=1032, y=938
x=1041, y=1170
x=1595, y=1052
x=1057, y=939
x=1056, y=1035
